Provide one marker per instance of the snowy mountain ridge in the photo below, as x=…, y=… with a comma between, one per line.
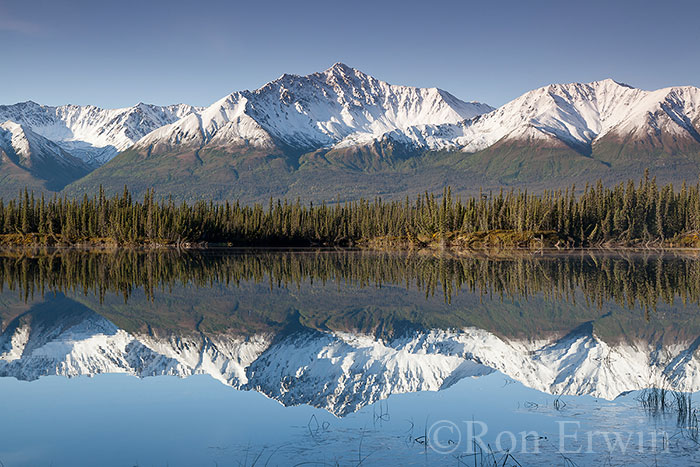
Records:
x=343, y=372
x=343, y=107
x=24, y=152
x=90, y=133
x=23, y=143
x=340, y=104
x=577, y=114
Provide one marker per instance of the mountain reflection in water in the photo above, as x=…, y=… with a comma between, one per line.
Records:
x=339, y=330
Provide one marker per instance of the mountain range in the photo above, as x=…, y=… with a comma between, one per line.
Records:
x=340, y=370
x=342, y=134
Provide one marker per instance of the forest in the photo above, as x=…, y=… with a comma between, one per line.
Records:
x=632, y=213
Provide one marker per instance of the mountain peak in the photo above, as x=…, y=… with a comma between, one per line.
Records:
x=26, y=104
x=607, y=83
x=340, y=67
x=337, y=70
x=610, y=81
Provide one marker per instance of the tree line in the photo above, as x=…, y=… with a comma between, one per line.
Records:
x=631, y=281
x=626, y=213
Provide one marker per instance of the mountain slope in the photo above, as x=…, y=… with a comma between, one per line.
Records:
x=582, y=130
x=576, y=114
x=28, y=159
x=90, y=133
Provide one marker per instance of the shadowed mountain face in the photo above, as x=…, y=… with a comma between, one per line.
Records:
x=317, y=328
x=30, y=160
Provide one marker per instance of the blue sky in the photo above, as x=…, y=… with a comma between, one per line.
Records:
x=117, y=53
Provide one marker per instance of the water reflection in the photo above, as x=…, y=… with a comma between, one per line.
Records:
x=341, y=330
x=633, y=279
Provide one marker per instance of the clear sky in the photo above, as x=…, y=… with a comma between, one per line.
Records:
x=117, y=53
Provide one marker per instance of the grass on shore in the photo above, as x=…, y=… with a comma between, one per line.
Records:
x=453, y=241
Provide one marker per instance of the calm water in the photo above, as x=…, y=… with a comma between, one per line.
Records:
x=348, y=358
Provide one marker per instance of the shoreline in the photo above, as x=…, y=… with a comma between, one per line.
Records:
x=454, y=243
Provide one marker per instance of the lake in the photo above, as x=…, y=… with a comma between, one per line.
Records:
x=341, y=357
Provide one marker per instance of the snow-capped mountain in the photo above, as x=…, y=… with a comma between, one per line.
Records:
x=93, y=134
x=341, y=105
x=340, y=371
x=578, y=115
x=343, y=131
x=30, y=159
